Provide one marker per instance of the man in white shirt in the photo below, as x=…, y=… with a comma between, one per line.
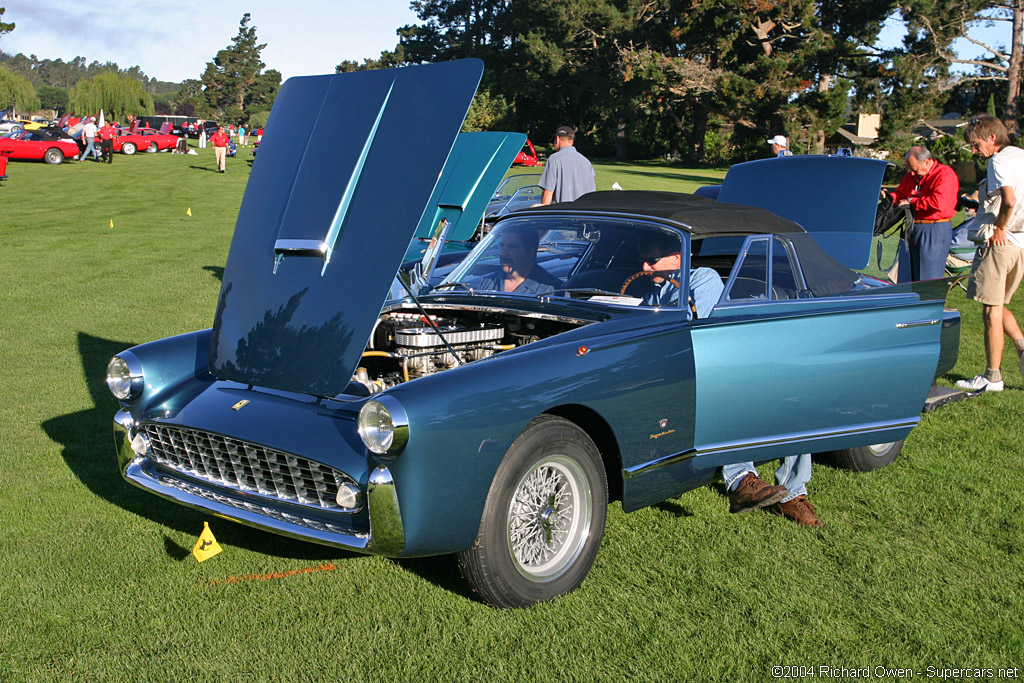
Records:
x=999, y=263
x=89, y=131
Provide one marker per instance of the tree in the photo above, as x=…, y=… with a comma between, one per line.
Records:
x=118, y=96
x=938, y=24
x=4, y=28
x=53, y=98
x=16, y=91
x=235, y=82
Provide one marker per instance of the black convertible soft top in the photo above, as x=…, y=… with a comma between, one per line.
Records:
x=824, y=275
x=702, y=216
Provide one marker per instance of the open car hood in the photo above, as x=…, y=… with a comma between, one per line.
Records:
x=341, y=182
x=832, y=197
x=477, y=164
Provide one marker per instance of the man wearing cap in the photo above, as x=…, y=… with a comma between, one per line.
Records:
x=567, y=174
x=780, y=146
x=930, y=190
x=89, y=131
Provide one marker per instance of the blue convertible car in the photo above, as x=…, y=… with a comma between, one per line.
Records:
x=495, y=415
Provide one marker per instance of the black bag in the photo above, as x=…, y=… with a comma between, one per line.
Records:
x=890, y=218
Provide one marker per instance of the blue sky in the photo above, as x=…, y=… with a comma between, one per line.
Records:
x=173, y=40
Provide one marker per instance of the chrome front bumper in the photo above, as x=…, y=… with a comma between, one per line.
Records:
x=385, y=537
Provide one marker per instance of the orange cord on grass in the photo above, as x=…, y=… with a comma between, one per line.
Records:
x=329, y=567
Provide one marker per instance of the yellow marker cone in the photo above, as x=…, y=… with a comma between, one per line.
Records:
x=111, y=222
x=189, y=211
x=207, y=546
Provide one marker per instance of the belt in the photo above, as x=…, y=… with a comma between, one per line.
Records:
x=931, y=220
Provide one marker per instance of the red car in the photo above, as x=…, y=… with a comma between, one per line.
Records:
x=163, y=140
x=527, y=157
x=52, y=146
x=145, y=139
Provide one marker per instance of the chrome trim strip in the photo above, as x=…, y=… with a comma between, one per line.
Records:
x=917, y=323
x=317, y=247
x=724, y=447
x=387, y=533
x=124, y=432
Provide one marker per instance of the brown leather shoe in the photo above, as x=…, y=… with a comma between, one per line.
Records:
x=753, y=492
x=799, y=510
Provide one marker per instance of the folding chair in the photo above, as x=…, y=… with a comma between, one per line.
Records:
x=961, y=256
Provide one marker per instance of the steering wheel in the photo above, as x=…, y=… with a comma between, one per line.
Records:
x=646, y=273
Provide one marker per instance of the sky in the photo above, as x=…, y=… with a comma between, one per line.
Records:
x=173, y=40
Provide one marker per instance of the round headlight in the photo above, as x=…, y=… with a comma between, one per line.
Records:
x=383, y=426
x=123, y=382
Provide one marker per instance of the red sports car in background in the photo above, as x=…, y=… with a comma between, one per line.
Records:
x=50, y=145
x=163, y=140
x=527, y=157
x=144, y=140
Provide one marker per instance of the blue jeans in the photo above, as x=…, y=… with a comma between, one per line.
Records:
x=90, y=146
x=793, y=473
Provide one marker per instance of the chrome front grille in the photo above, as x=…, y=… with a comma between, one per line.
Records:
x=245, y=466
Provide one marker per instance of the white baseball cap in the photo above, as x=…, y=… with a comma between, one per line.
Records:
x=779, y=140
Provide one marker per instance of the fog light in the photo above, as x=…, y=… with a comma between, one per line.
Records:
x=348, y=496
x=140, y=444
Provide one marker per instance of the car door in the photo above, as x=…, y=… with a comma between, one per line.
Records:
x=780, y=372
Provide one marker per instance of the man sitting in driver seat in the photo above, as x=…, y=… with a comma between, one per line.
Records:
x=661, y=253
x=518, y=270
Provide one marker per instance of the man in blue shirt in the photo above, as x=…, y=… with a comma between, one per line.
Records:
x=519, y=271
x=661, y=253
x=567, y=173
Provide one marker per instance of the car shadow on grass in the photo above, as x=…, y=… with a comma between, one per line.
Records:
x=216, y=271
x=88, y=449
x=442, y=571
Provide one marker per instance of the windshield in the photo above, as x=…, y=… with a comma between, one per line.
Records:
x=608, y=260
x=512, y=183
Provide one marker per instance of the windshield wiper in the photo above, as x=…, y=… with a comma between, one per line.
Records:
x=584, y=290
x=455, y=284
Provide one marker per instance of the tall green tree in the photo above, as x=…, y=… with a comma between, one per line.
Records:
x=16, y=91
x=933, y=26
x=53, y=98
x=118, y=96
x=4, y=28
x=234, y=82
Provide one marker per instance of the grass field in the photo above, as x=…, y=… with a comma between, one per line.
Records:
x=920, y=564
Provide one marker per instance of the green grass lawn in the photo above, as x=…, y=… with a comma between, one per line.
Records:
x=920, y=564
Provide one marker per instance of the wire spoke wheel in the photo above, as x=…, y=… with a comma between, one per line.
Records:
x=544, y=517
x=549, y=518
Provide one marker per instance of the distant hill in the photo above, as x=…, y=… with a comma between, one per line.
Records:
x=61, y=74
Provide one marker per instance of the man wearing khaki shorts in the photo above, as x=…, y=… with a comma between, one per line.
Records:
x=999, y=264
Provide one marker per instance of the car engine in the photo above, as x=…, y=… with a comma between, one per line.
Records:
x=404, y=345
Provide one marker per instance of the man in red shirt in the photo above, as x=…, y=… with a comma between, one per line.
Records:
x=220, y=141
x=930, y=190
x=107, y=134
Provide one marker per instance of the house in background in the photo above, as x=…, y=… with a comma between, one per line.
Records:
x=858, y=136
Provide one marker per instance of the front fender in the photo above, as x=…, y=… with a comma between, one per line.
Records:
x=166, y=363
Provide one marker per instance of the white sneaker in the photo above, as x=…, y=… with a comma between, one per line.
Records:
x=979, y=383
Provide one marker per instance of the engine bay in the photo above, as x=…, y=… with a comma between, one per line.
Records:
x=405, y=344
